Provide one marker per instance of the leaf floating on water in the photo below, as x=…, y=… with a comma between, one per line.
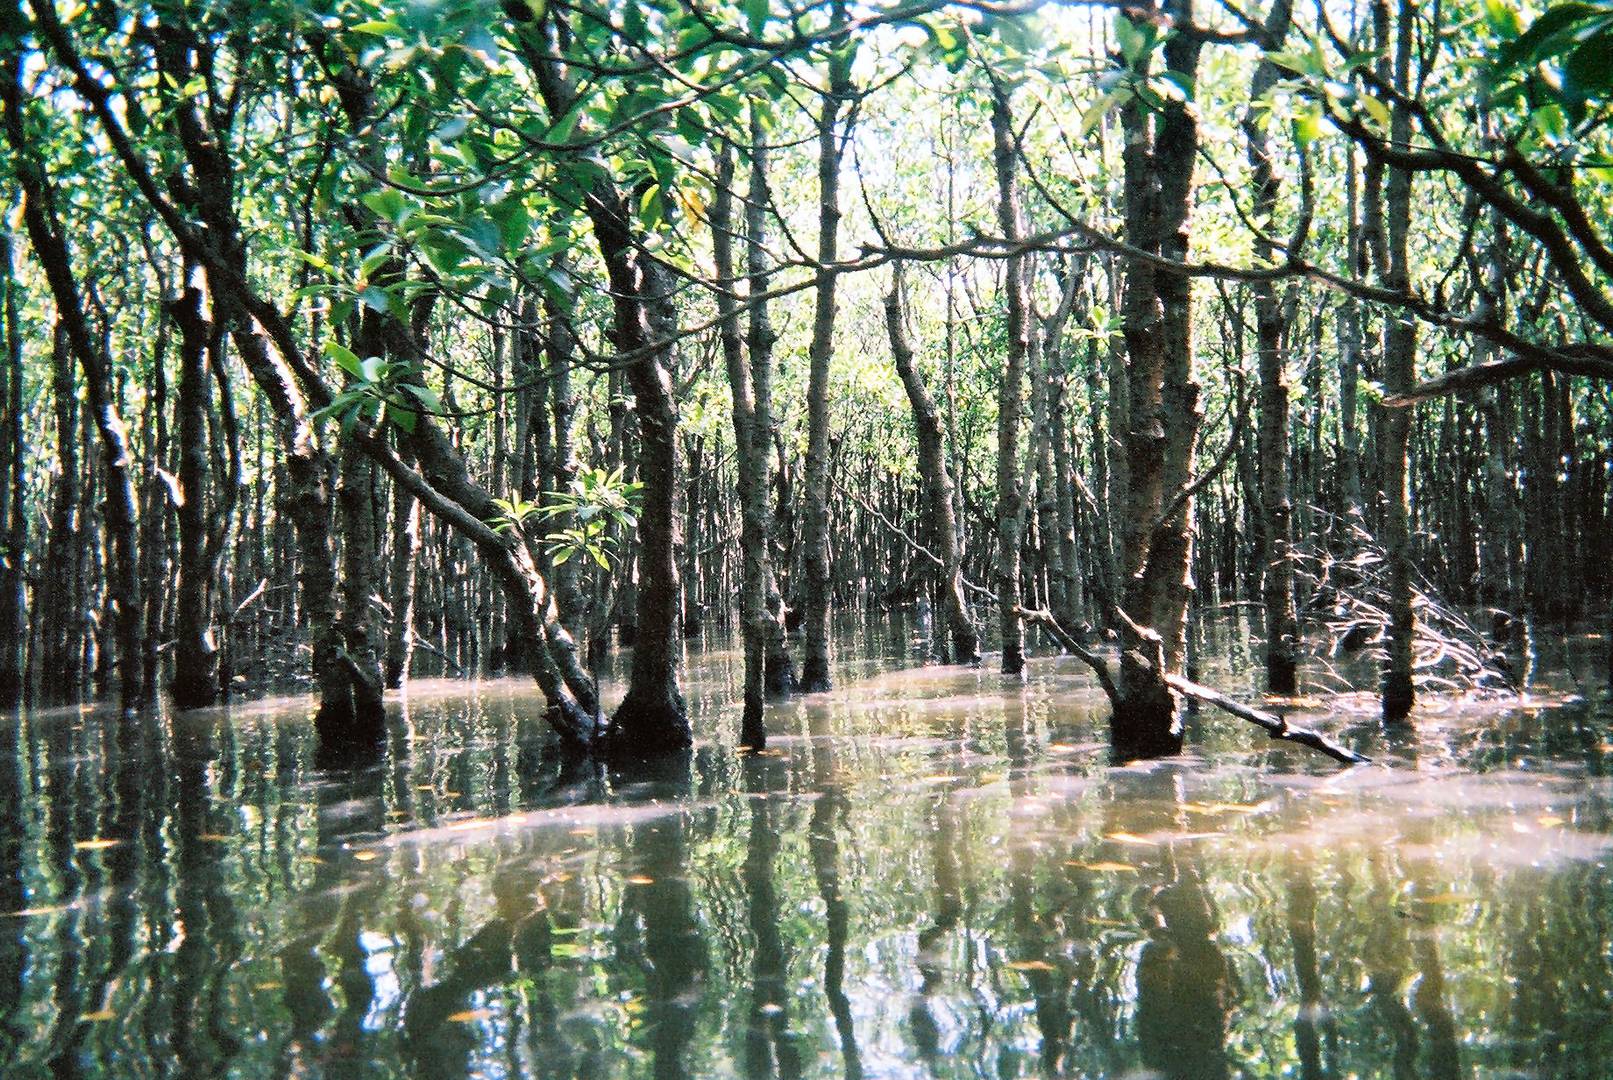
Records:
x=366, y=856
x=97, y=1017
x=1549, y=820
x=1030, y=965
x=1131, y=838
x=1225, y=808
x=641, y=879
x=1104, y=867
x=100, y=843
x=469, y=1016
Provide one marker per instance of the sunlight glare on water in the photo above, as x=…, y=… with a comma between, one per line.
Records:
x=929, y=872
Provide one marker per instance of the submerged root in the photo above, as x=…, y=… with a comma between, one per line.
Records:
x=1346, y=574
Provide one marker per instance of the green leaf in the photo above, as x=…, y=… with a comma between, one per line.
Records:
x=756, y=15
x=1132, y=41
x=425, y=395
x=345, y=359
x=387, y=203
x=1308, y=124
x=401, y=417
x=1377, y=110
x=374, y=298
x=1097, y=110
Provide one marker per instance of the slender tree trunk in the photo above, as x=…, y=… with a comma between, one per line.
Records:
x=401, y=586
x=1010, y=394
x=816, y=583
x=195, y=679
x=1271, y=330
x=13, y=507
x=750, y=459
x=560, y=351
x=778, y=666
x=154, y=541
x=1399, y=375
x=935, y=478
x=652, y=717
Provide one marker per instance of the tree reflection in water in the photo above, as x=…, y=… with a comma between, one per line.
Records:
x=930, y=872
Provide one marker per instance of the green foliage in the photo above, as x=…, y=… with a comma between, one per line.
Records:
x=595, y=509
x=1562, y=61
x=378, y=392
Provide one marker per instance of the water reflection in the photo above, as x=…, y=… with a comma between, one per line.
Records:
x=932, y=872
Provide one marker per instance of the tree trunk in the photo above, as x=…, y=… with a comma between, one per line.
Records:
x=50, y=246
x=816, y=584
x=195, y=678
x=1271, y=329
x=934, y=476
x=750, y=460
x=778, y=666
x=13, y=508
x=401, y=586
x=1162, y=413
x=1010, y=394
x=652, y=717
x=1399, y=375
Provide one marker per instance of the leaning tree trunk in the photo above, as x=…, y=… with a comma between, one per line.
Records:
x=1010, y=395
x=49, y=242
x=1162, y=413
x=815, y=584
x=1399, y=375
x=1271, y=327
x=934, y=476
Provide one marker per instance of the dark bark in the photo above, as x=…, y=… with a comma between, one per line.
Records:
x=1399, y=376
x=13, y=508
x=195, y=678
x=750, y=460
x=1162, y=412
x=45, y=234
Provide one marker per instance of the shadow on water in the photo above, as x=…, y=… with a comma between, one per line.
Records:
x=931, y=872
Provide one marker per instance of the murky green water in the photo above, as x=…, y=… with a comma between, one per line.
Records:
x=931, y=872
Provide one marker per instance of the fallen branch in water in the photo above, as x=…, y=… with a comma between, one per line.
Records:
x=1099, y=666
x=1276, y=726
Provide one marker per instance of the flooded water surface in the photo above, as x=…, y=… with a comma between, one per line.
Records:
x=929, y=872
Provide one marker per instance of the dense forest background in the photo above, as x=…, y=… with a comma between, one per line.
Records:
x=351, y=341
